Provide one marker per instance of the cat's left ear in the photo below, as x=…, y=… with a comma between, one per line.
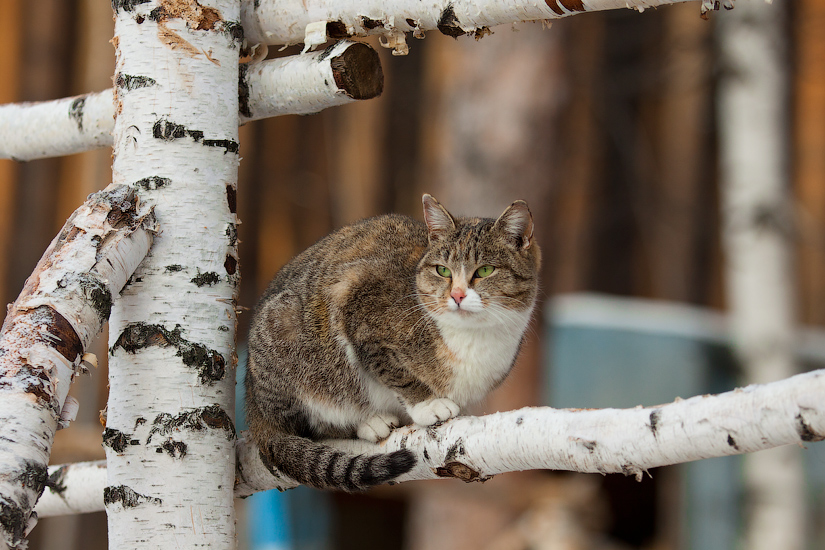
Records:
x=439, y=222
x=517, y=224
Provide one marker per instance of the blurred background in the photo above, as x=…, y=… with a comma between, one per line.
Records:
x=607, y=124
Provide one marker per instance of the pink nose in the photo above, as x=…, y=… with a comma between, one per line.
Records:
x=458, y=295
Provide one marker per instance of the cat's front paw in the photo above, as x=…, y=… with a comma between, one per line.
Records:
x=434, y=410
x=378, y=427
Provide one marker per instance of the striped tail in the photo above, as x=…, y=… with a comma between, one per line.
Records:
x=317, y=465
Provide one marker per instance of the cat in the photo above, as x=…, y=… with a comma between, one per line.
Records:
x=384, y=322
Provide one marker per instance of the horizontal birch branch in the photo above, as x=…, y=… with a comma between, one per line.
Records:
x=627, y=441
x=313, y=22
x=296, y=85
x=62, y=307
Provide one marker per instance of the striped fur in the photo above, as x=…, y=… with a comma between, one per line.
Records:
x=363, y=331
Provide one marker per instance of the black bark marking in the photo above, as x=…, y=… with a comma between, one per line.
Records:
x=732, y=442
x=203, y=279
x=232, y=234
x=33, y=476
x=230, y=145
x=456, y=450
x=210, y=365
x=448, y=23
x=370, y=24
x=13, y=520
x=337, y=29
x=804, y=430
x=519, y=421
x=357, y=72
x=39, y=385
x=232, y=199
x=122, y=203
x=213, y=417
x=230, y=264
x=234, y=30
x=95, y=292
x=174, y=268
x=243, y=91
x=116, y=440
x=127, y=497
x=654, y=420
x=131, y=82
x=426, y=455
x=127, y=5
x=56, y=482
x=175, y=449
x=152, y=182
x=76, y=112
x=168, y=131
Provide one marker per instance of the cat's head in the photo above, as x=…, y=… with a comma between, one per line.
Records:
x=478, y=271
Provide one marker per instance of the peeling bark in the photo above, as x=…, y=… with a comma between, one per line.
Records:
x=313, y=22
x=60, y=310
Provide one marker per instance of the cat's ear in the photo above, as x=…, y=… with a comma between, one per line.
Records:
x=517, y=224
x=439, y=222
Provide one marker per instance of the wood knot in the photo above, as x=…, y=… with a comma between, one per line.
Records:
x=459, y=471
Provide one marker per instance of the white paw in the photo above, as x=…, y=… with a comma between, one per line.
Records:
x=433, y=410
x=378, y=427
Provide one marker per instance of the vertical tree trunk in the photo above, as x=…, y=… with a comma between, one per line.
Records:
x=753, y=129
x=169, y=435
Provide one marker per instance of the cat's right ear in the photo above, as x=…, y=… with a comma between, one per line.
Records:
x=439, y=222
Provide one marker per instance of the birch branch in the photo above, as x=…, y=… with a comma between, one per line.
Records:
x=313, y=22
x=61, y=308
x=42, y=129
x=628, y=441
x=296, y=85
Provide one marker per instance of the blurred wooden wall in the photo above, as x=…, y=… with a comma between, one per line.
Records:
x=604, y=123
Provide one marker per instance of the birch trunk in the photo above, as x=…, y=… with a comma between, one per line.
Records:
x=169, y=435
x=61, y=309
x=753, y=128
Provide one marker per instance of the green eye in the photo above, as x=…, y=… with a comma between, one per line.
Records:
x=443, y=271
x=484, y=271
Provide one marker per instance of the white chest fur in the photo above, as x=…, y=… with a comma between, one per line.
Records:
x=480, y=356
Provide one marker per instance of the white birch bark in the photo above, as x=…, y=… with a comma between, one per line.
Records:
x=295, y=85
x=753, y=126
x=628, y=441
x=169, y=435
x=54, y=128
x=313, y=22
x=73, y=489
x=61, y=308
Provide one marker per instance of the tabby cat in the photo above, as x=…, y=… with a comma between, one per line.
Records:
x=383, y=322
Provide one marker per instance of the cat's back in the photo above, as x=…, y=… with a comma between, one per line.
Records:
x=384, y=248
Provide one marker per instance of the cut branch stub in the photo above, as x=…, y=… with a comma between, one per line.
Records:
x=357, y=72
